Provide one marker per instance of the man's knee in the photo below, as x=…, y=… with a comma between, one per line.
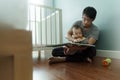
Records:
x=90, y=52
x=53, y=52
x=58, y=51
x=93, y=50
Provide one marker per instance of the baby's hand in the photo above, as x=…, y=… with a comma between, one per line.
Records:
x=79, y=40
x=75, y=40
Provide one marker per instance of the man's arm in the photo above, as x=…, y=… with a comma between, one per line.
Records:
x=91, y=41
x=69, y=35
x=68, y=50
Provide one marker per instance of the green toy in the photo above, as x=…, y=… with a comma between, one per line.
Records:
x=107, y=62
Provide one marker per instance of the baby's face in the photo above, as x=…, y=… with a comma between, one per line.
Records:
x=77, y=32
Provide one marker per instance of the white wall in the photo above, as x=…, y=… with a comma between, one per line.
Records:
x=48, y=3
x=14, y=12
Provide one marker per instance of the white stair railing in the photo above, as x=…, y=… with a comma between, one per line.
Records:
x=45, y=23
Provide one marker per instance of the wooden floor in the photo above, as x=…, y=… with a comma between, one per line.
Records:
x=76, y=71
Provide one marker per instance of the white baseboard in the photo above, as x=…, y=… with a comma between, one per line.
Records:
x=108, y=53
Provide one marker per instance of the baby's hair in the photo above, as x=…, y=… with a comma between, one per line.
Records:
x=77, y=27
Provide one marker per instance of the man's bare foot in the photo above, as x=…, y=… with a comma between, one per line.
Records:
x=56, y=60
x=89, y=60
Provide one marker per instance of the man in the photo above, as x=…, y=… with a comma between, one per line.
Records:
x=90, y=32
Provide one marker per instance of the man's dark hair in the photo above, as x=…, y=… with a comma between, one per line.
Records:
x=90, y=12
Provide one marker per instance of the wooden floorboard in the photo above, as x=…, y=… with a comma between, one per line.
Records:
x=76, y=71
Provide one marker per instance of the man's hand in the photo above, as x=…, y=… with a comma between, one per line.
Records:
x=70, y=50
x=66, y=50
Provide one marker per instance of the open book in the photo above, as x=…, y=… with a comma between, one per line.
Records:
x=70, y=44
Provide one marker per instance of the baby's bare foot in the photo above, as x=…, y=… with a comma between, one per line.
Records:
x=89, y=60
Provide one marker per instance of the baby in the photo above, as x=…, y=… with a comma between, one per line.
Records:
x=77, y=33
x=78, y=37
